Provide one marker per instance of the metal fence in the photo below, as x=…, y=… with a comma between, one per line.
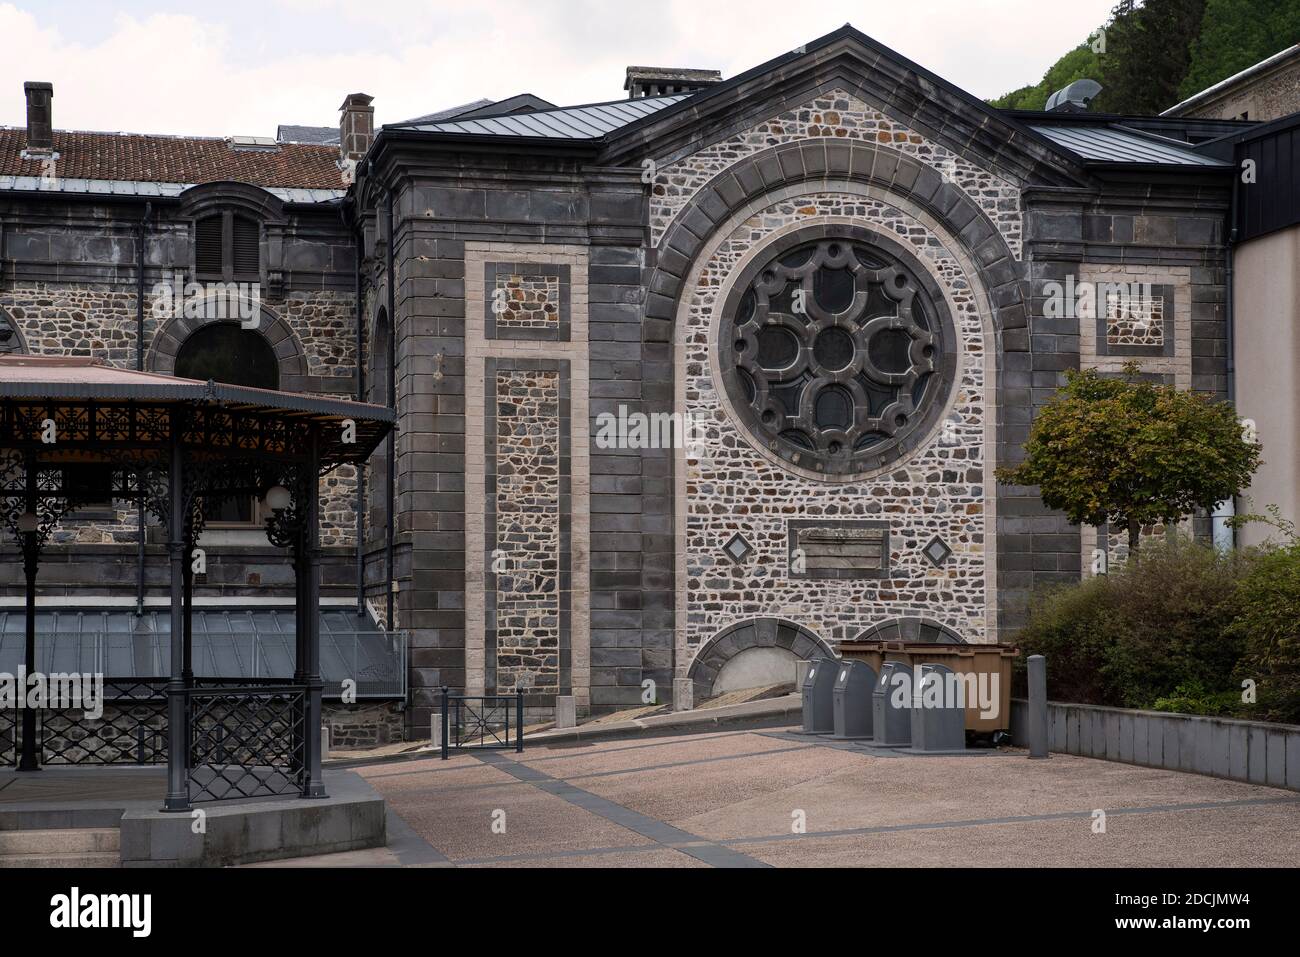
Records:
x=482, y=723
x=246, y=741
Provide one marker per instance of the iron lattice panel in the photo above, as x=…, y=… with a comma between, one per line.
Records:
x=490, y=723
x=246, y=742
x=132, y=729
x=8, y=737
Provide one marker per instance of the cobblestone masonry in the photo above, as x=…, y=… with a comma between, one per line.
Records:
x=528, y=530
x=732, y=487
x=532, y=302
x=1138, y=321
x=837, y=115
x=98, y=321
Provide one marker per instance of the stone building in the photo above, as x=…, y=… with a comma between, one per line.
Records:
x=689, y=384
x=1266, y=91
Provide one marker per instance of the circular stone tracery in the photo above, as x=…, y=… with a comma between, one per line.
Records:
x=835, y=353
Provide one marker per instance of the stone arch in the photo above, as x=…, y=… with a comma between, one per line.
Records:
x=13, y=344
x=913, y=629
x=746, y=636
x=814, y=161
x=277, y=332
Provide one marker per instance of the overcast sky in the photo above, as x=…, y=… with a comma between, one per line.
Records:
x=226, y=67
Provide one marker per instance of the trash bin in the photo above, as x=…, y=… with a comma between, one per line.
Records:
x=938, y=717
x=892, y=712
x=985, y=670
x=854, y=690
x=818, y=694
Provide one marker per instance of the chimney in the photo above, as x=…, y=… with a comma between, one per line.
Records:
x=356, y=127
x=40, y=117
x=665, y=81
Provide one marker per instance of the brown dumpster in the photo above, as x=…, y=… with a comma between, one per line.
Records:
x=962, y=660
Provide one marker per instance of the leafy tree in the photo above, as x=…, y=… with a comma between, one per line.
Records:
x=1148, y=51
x=1236, y=34
x=1133, y=453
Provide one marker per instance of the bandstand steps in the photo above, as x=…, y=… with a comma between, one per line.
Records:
x=61, y=847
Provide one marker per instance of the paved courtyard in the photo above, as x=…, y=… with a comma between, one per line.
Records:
x=733, y=799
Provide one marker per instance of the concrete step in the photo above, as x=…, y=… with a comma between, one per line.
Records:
x=54, y=842
x=88, y=859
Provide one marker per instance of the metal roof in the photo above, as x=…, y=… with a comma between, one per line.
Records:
x=1116, y=144
x=256, y=643
x=118, y=187
x=51, y=377
x=81, y=379
x=571, y=123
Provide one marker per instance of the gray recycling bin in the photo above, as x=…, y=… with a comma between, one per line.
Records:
x=938, y=716
x=818, y=706
x=854, y=686
x=892, y=712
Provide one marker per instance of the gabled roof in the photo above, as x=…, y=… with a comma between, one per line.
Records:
x=191, y=160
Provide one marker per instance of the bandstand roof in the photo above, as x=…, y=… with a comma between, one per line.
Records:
x=64, y=381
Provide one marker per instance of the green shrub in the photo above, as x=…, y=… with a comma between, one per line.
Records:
x=1137, y=635
x=1268, y=625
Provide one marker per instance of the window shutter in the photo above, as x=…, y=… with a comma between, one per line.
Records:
x=246, y=254
x=207, y=246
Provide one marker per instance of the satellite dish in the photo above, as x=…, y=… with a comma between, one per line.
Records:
x=1075, y=98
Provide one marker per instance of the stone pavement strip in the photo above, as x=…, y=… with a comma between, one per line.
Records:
x=663, y=834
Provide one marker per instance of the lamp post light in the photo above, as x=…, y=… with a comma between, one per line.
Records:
x=278, y=498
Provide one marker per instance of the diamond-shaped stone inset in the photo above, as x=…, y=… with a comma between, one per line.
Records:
x=738, y=549
x=937, y=552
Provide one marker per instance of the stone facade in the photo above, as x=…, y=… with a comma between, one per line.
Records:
x=733, y=487
x=535, y=294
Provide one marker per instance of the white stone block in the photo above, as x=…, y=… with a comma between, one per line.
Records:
x=683, y=694
x=566, y=712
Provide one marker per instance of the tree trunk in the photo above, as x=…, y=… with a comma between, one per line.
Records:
x=1134, y=537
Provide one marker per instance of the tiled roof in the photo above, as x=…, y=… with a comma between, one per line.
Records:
x=174, y=159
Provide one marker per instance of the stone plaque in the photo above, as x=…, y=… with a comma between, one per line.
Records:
x=843, y=549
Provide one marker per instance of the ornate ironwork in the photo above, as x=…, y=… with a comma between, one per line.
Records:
x=832, y=353
x=8, y=738
x=246, y=741
x=484, y=723
x=131, y=730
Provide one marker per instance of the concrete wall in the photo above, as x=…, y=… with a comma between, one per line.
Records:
x=1266, y=299
x=1250, y=751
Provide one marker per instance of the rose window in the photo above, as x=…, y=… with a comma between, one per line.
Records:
x=835, y=354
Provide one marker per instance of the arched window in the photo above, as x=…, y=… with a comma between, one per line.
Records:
x=226, y=352
x=378, y=366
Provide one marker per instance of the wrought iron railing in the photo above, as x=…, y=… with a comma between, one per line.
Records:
x=9, y=737
x=482, y=723
x=246, y=741
x=132, y=728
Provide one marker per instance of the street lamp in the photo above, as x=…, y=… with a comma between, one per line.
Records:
x=29, y=522
x=278, y=498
